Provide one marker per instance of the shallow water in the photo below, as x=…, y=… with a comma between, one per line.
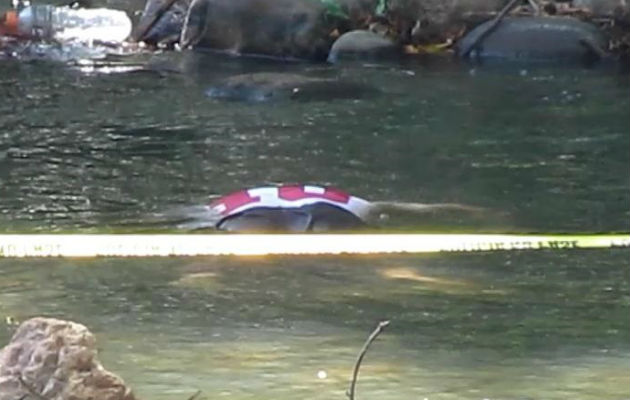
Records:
x=87, y=150
x=515, y=325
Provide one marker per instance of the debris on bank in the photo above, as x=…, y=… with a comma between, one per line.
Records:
x=337, y=29
x=340, y=30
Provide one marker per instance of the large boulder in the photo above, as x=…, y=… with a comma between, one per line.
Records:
x=270, y=86
x=56, y=360
x=363, y=45
x=559, y=39
x=278, y=28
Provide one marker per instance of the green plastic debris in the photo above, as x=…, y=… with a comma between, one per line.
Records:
x=334, y=9
x=381, y=8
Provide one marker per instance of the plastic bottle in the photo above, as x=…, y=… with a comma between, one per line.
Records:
x=65, y=24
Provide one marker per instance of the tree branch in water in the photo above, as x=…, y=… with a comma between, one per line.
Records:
x=491, y=27
x=379, y=328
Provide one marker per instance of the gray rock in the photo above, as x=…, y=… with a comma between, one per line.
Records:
x=277, y=28
x=56, y=359
x=363, y=45
x=264, y=86
x=536, y=39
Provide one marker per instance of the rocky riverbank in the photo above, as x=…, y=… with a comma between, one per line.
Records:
x=309, y=29
x=567, y=31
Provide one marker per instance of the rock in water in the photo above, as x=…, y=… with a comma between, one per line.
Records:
x=277, y=28
x=362, y=45
x=536, y=39
x=269, y=86
x=57, y=360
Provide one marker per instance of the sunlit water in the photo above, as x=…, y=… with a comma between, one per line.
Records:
x=523, y=325
x=545, y=149
x=84, y=149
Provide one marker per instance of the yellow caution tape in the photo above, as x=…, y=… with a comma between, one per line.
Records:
x=125, y=245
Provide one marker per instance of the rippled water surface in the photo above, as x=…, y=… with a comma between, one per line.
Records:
x=546, y=325
x=544, y=150
x=547, y=149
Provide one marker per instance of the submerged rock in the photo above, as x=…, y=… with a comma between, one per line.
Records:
x=266, y=86
x=56, y=359
x=536, y=39
x=277, y=28
x=363, y=45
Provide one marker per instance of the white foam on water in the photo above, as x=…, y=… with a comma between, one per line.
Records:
x=95, y=24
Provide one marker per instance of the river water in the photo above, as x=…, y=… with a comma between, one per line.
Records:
x=91, y=148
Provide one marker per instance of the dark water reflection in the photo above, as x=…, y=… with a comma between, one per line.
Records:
x=545, y=149
x=549, y=147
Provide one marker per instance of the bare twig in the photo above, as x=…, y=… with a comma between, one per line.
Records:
x=379, y=328
x=31, y=390
x=493, y=25
x=195, y=395
x=593, y=47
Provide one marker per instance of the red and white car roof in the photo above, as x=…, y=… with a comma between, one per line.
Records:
x=293, y=196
